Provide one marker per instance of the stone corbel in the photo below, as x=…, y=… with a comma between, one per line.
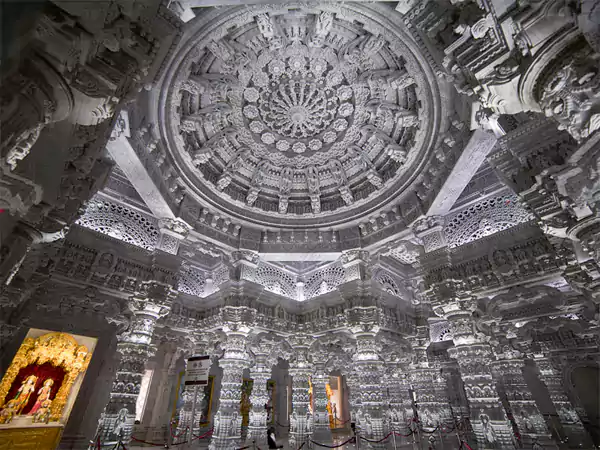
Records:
x=431, y=232
x=172, y=233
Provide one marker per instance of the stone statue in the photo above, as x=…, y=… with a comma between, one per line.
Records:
x=120, y=422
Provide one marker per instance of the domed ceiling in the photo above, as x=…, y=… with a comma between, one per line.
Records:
x=299, y=115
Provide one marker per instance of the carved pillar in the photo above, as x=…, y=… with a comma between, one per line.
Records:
x=322, y=430
x=134, y=347
x=473, y=355
x=301, y=421
x=573, y=428
x=529, y=420
x=354, y=396
x=202, y=346
x=260, y=374
x=428, y=385
x=227, y=429
x=400, y=403
x=369, y=368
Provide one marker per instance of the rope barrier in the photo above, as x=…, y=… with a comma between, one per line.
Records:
x=202, y=436
x=333, y=446
x=380, y=440
x=404, y=435
x=154, y=444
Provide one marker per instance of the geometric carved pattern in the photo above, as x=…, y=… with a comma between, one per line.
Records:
x=324, y=281
x=440, y=331
x=191, y=281
x=274, y=280
x=121, y=223
x=485, y=218
x=220, y=275
x=387, y=282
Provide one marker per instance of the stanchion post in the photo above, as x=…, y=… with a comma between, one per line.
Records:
x=440, y=434
x=394, y=436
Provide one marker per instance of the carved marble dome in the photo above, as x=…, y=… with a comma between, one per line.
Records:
x=299, y=115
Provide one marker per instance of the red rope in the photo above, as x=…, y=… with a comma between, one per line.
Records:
x=202, y=436
x=380, y=440
x=403, y=435
x=333, y=446
x=146, y=442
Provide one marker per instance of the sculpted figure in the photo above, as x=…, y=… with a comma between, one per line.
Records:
x=120, y=422
x=8, y=412
x=42, y=414
x=24, y=392
x=43, y=395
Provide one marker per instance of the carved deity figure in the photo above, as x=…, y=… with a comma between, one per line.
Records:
x=323, y=25
x=120, y=422
x=24, y=392
x=42, y=414
x=43, y=395
x=570, y=96
x=337, y=172
x=312, y=180
x=8, y=412
x=488, y=432
x=265, y=26
x=285, y=181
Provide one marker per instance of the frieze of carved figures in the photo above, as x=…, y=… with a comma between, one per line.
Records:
x=297, y=108
x=569, y=92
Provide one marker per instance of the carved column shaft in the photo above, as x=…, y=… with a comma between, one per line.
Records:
x=573, y=428
x=370, y=371
x=322, y=430
x=530, y=421
x=227, y=429
x=488, y=418
x=301, y=422
x=135, y=349
x=257, y=427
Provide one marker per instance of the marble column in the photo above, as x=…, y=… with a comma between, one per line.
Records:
x=134, y=348
x=322, y=429
x=301, y=420
x=370, y=370
x=257, y=427
x=428, y=385
x=186, y=421
x=530, y=422
x=400, y=403
x=227, y=428
x=353, y=384
x=473, y=355
x=572, y=427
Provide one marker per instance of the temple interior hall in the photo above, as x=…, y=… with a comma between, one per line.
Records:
x=300, y=224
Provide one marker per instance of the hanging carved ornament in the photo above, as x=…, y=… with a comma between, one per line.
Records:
x=290, y=95
x=569, y=93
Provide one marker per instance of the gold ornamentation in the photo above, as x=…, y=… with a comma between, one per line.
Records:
x=41, y=438
x=58, y=349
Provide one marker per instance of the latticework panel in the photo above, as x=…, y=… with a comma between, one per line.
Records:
x=191, y=281
x=440, y=331
x=387, y=282
x=220, y=275
x=485, y=218
x=276, y=280
x=121, y=223
x=324, y=281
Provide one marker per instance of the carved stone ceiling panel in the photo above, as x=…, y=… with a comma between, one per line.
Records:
x=308, y=112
